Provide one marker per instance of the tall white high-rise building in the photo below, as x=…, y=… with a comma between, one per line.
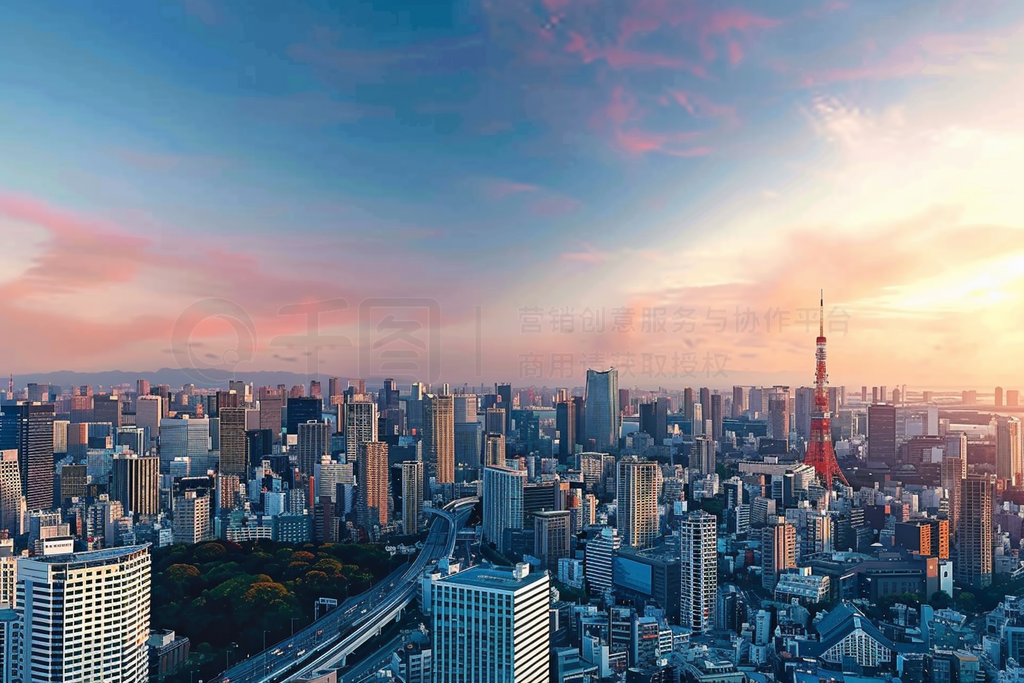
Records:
x=360, y=425
x=597, y=567
x=638, y=483
x=602, y=419
x=86, y=616
x=698, y=588
x=503, y=502
x=491, y=625
x=192, y=518
x=702, y=456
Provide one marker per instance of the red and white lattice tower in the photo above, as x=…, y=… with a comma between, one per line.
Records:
x=820, y=454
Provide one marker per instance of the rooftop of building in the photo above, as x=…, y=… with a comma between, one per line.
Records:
x=92, y=556
x=495, y=578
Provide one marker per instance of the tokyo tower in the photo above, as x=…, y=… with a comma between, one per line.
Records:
x=820, y=454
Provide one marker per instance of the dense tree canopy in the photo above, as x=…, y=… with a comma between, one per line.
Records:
x=219, y=593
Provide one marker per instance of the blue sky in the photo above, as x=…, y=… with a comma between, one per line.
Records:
x=508, y=154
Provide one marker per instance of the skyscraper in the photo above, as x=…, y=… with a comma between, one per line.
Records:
x=314, y=442
x=492, y=625
x=803, y=408
x=494, y=450
x=360, y=425
x=503, y=503
x=565, y=425
x=702, y=456
x=192, y=522
x=439, y=437
x=233, y=455
x=778, y=551
x=373, y=485
x=552, y=537
x=467, y=435
x=973, y=566
x=739, y=401
x=183, y=437
x=31, y=426
x=504, y=392
x=300, y=410
x=601, y=409
x=637, y=513
x=688, y=403
x=716, y=416
x=654, y=419
x=882, y=434
x=271, y=404
x=699, y=572
x=11, y=497
x=107, y=591
x=135, y=482
x=412, y=496
x=1009, y=459
x=999, y=397
x=149, y=412
x=778, y=415
x=951, y=473
x=598, y=560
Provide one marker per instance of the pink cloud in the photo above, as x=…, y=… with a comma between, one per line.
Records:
x=588, y=256
x=700, y=106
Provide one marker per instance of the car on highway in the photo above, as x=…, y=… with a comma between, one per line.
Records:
x=278, y=652
x=300, y=653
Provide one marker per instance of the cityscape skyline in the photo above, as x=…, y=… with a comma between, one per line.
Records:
x=682, y=136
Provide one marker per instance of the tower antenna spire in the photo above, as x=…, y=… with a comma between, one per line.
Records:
x=821, y=315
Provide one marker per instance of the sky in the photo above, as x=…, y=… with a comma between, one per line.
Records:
x=515, y=190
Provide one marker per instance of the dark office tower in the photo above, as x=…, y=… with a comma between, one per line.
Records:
x=233, y=454
x=142, y=387
x=314, y=442
x=973, y=566
x=661, y=415
x=228, y=399
x=835, y=399
x=259, y=443
x=136, y=483
x=882, y=434
x=647, y=420
x=578, y=403
x=705, y=402
x=863, y=394
x=271, y=413
x=1012, y=397
x=74, y=483
x=739, y=401
x=81, y=409
x=624, y=402
x=28, y=427
x=999, y=397
x=302, y=410
x=467, y=435
x=504, y=392
x=602, y=419
x=439, y=437
x=874, y=395
x=565, y=425
x=688, y=404
x=107, y=408
x=494, y=421
x=38, y=393
x=716, y=416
